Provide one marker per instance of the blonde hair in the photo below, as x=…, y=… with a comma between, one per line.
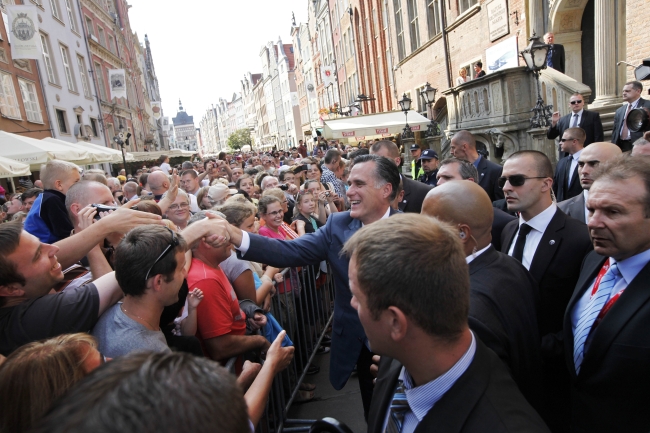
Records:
x=56, y=170
x=38, y=373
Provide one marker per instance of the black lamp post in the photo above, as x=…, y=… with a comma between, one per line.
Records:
x=120, y=140
x=535, y=57
x=405, y=105
x=429, y=95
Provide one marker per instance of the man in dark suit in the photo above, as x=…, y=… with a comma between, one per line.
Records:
x=414, y=191
x=503, y=294
x=589, y=160
x=555, y=56
x=606, y=339
x=587, y=120
x=410, y=288
x=551, y=246
x=463, y=146
x=373, y=185
x=621, y=135
x=566, y=181
x=460, y=169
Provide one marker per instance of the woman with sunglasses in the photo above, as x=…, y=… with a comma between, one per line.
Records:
x=38, y=373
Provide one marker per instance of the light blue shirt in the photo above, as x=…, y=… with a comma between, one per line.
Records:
x=422, y=398
x=475, y=163
x=629, y=269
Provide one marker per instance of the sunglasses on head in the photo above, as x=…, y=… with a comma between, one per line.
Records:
x=516, y=179
x=576, y=102
x=172, y=244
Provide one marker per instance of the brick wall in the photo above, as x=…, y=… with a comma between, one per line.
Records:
x=638, y=36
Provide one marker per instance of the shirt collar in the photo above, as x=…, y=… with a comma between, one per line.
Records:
x=422, y=398
x=635, y=103
x=631, y=266
x=477, y=160
x=476, y=254
x=540, y=221
x=579, y=113
x=577, y=155
x=386, y=215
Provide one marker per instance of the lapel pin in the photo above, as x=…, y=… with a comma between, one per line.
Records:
x=551, y=242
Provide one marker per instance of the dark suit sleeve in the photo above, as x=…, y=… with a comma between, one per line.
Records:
x=617, y=120
x=599, y=135
x=554, y=131
x=309, y=249
x=561, y=52
x=498, y=191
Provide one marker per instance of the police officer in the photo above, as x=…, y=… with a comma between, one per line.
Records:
x=429, y=161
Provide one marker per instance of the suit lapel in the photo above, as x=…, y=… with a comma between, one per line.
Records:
x=483, y=260
x=578, y=208
x=635, y=296
x=353, y=226
x=548, y=245
x=508, y=234
x=407, y=192
x=389, y=370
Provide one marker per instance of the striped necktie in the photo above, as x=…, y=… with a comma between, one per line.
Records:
x=591, y=311
x=399, y=406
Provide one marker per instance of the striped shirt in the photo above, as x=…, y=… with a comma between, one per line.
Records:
x=422, y=398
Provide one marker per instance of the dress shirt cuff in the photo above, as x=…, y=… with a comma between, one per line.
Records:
x=245, y=243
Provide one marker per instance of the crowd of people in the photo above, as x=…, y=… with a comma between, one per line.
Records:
x=478, y=296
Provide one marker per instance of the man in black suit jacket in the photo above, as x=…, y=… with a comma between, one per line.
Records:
x=503, y=294
x=463, y=146
x=566, y=181
x=609, y=370
x=587, y=120
x=590, y=158
x=414, y=191
x=621, y=135
x=555, y=56
x=551, y=246
x=410, y=288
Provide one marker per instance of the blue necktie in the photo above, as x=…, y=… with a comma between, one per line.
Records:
x=398, y=408
x=591, y=311
x=549, y=57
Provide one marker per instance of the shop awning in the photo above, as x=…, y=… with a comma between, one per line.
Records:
x=36, y=152
x=96, y=155
x=11, y=168
x=371, y=125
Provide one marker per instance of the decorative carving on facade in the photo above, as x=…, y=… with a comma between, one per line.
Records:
x=501, y=140
x=475, y=103
x=497, y=99
x=3, y=56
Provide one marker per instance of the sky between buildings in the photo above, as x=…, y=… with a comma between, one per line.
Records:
x=203, y=48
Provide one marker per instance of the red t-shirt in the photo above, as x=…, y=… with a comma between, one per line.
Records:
x=219, y=313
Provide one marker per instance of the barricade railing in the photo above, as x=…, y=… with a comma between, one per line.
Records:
x=303, y=306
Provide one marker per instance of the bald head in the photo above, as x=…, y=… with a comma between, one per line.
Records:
x=158, y=182
x=463, y=204
x=591, y=157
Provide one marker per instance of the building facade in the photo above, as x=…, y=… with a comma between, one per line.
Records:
x=184, y=130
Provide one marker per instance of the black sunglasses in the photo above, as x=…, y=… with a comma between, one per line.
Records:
x=516, y=179
x=575, y=102
x=173, y=244
x=566, y=139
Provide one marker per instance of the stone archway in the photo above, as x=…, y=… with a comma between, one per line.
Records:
x=565, y=21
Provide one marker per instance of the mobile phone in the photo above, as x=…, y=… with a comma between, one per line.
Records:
x=102, y=208
x=328, y=194
x=284, y=187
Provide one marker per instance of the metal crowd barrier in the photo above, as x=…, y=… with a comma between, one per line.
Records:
x=303, y=305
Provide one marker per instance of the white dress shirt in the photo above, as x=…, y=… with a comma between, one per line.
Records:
x=574, y=164
x=538, y=224
x=579, y=113
x=632, y=106
x=476, y=254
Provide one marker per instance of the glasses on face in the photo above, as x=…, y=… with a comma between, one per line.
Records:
x=179, y=206
x=275, y=213
x=576, y=102
x=172, y=244
x=566, y=139
x=516, y=179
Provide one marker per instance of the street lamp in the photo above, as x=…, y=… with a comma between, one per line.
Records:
x=405, y=105
x=535, y=57
x=120, y=140
x=429, y=95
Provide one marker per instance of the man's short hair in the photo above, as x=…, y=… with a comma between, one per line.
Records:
x=625, y=167
x=355, y=153
x=130, y=189
x=640, y=142
x=30, y=193
x=94, y=176
x=138, y=251
x=417, y=264
x=191, y=172
x=390, y=147
x=543, y=164
x=187, y=165
x=9, y=239
x=188, y=393
x=577, y=133
x=114, y=181
x=80, y=193
x=637, y=85
x=464, y=136
x=385, y=172
x=56, y=170
x=236, y=211
x=332, y=155
x=465, y=168
x=265, y=180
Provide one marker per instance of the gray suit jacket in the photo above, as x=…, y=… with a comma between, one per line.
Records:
x=574, y=207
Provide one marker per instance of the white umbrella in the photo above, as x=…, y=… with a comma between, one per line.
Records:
x=96, y=155
x=370, y=125
x=35, y=152
x=11, y=168
x=117, y=154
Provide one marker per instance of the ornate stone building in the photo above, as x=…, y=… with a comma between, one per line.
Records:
x=184, y=130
